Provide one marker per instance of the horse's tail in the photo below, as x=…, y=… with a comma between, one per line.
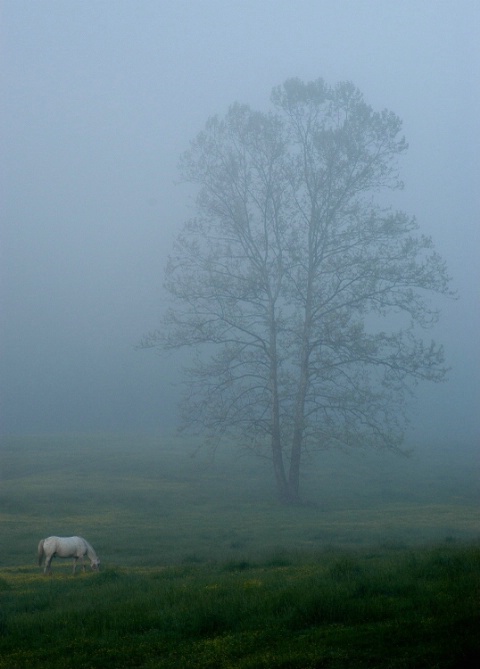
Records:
x=41, y=552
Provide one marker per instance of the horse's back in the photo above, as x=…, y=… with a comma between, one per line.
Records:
x=64, y=546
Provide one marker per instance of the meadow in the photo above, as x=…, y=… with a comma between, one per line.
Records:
x=201, y=567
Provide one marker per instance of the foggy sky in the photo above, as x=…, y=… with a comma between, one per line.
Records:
x=98, y=100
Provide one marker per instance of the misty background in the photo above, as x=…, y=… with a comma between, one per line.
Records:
x=98, y=101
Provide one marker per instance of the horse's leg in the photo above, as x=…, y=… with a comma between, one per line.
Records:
x=74, y=564
x=48, y=569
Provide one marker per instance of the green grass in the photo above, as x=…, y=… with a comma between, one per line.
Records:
x=202, y=568
x=330, y=610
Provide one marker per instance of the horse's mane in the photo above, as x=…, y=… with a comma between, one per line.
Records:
x=90, y=549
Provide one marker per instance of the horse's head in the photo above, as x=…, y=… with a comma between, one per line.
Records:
x=95, y=564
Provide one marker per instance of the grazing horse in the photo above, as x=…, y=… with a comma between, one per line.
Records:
x=65, y=547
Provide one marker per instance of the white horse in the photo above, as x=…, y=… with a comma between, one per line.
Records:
x=66, y=547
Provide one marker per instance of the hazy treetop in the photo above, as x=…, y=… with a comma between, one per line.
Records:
x=99, y=101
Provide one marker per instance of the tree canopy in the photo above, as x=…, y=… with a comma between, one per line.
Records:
x=303, y=297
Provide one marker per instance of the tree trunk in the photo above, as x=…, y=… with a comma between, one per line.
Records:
x=297, y=439
x=277, y=452
x=304, y=364
x=279, y=470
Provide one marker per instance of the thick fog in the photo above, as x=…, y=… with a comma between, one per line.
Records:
x=98, y=101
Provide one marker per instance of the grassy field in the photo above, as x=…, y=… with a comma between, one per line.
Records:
x=202, y=568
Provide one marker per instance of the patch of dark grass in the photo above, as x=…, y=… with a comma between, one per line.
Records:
x=108, y=575
x=279, y=558
x=238, y=565
x=193, y=558
x=345, y=609
x=346, y=568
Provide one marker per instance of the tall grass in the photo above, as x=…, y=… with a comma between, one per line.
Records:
x=416, y=609
x=202, y=568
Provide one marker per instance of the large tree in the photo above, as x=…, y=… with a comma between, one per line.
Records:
x=301, y=295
